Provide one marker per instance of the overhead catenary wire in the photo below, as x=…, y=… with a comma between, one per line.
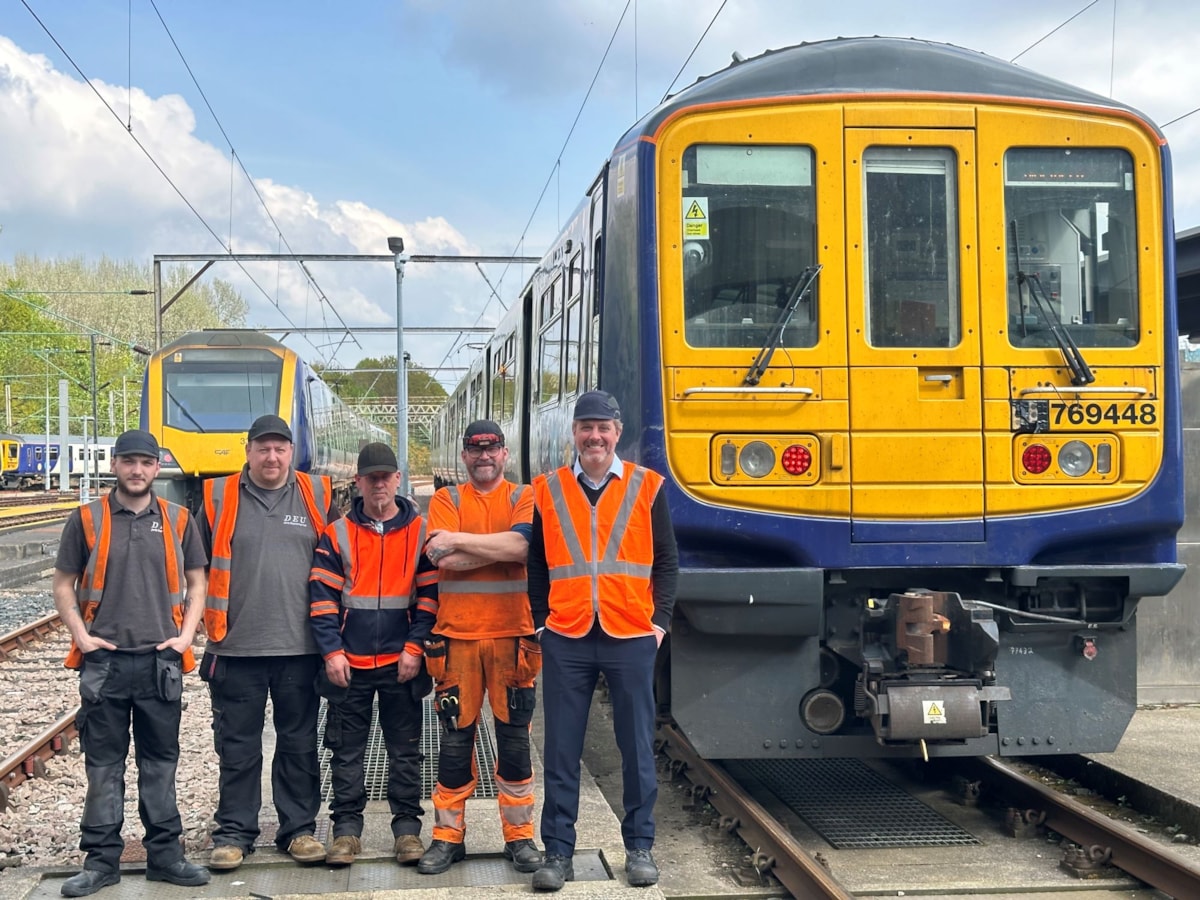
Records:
x=1055, y=29
x=235, y=158
x=154, y=162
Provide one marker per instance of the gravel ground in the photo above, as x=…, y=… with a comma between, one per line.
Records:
x=41, y=825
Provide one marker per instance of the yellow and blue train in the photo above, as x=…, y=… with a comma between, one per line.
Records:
x=896, y=321
x=203, y=390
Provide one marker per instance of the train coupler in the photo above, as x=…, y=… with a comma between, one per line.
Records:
x=931, y=710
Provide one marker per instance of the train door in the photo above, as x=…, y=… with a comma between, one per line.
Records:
x=916, y=421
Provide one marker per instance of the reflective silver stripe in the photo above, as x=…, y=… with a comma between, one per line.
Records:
x=481, y=587
x=90, y=594
x=170, y=512
x=389, y=602
x=621, y=522
x=224, y=565
x=321, y=499
x=619, y=567
x=518, y=494
x=452, y=490
x=565, y=523
x=342, y=531
x=218, y=496
x=217, y=603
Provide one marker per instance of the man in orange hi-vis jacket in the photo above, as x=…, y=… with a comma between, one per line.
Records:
x=129, y=585
x=482, y=643
x=603, y=568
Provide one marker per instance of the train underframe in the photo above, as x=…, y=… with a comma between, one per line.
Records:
x=1010, y=661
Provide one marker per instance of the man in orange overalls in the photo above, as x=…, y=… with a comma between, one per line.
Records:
x=482, y=643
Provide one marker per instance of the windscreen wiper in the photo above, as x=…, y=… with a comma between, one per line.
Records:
x=183, y=409
x=1081, y=373
x=804, y=282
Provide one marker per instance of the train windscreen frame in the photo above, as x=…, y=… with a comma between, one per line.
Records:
x=208, y=390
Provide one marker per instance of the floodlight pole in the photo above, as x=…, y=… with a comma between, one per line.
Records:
x=396, y=245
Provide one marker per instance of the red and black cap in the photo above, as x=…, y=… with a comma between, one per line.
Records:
x=483, y=433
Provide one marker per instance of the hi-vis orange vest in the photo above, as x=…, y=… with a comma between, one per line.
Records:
x=91, y=583
x=493, y=600
x=221, y=507
x=599, y=557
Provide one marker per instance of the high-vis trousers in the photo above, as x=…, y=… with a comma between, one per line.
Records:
x=505, y=670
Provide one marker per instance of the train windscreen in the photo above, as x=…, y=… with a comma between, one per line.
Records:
x=749, y=223
x=220, y=390
x=1073, y=249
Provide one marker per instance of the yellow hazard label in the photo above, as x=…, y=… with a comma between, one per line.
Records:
x=935, y=712
x=695, y=218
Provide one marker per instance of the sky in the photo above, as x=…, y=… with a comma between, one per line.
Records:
x=460, y=125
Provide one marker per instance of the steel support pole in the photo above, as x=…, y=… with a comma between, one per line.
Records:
x=401, y=377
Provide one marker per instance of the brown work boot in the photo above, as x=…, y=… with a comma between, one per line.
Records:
x=408, y=849
x=305, y=848
x=225, y=856
x=343, y=850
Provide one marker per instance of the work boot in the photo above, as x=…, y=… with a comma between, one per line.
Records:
x=180, y=872
x=408, y=849
x=305, y=848
x=640, y=868
x=344, y=849
x=440, y=856
x=226, y=856
x=525, y=855
x=88, y=882
x=554, y=873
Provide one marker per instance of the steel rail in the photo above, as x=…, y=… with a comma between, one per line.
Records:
x=1131, y=852
x=30, y=760
x=20, y=638
x=776, y=851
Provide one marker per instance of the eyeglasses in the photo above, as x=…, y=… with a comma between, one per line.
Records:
x=492, y=450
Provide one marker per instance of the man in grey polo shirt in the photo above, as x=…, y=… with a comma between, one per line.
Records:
x=129, y=586
x=261, y=526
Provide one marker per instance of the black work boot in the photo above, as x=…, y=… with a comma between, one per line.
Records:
x=180, y=872
x=525, y=855
x=440, y=856
x=88, y=882
x=554, y=873
x=640, y=868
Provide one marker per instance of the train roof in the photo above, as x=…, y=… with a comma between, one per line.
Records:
x=224, y=337
x=870, y=65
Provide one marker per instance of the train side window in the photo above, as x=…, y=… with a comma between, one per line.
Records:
x=1071, y=234
x=749, y=231
x=550, y=351
x=913, y=297
x=574, y=324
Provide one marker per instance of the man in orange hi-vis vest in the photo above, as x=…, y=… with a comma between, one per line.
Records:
x=603, y=568
x=482, y=643
x=261, y=525
x=129, y=586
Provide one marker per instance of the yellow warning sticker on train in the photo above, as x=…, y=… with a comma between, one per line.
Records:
x=695, y=218
x=935, y=712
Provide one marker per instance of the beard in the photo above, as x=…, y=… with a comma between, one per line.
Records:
x=134, y=490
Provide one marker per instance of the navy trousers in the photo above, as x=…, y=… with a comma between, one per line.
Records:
x=239, y=702
x=570, y=669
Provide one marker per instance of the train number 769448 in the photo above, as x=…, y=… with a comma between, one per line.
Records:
x=1115, y=414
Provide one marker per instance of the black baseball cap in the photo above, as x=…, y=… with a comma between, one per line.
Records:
x=483, y=433
x=269, y=426
x=597, y=405
x=377, y=457
x=136, y=443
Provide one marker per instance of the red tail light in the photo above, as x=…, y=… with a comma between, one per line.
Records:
x=796, y=460
x=1036, y=459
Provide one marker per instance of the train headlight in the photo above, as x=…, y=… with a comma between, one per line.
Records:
x=1035, y=459
x=1075, y=458
x=796, y=460
x=757, y=459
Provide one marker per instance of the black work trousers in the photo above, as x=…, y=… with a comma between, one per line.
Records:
x=119, y=690
x=347, y=726
x=239, y=686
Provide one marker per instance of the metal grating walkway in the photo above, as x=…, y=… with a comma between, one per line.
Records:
x=376, y=761
x=851, y=805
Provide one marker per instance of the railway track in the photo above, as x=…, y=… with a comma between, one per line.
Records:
x=35, y=509
x=28, y=760
x=1099, y=844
